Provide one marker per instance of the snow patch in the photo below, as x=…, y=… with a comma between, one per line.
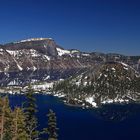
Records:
x=19, y=67
x=62, y=52
x=85, y=54
x=47, y=57
x=91, y=101
x=74, y=51
x=113, y=69
x=43, y=86
x=33, y=39
x=124, y=64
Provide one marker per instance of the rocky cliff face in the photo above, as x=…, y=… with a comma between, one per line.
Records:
x=45, y=46
x=45, y=54
x=39, y=54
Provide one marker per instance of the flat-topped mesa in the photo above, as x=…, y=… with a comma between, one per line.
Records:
x=42, y=45
x=33, y=39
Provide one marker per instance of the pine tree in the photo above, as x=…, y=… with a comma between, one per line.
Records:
x=19, y=127
x=2, y=118
x=30, y=110
x=6, y=120
x=52, y=126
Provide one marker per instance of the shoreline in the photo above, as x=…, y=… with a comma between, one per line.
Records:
x=73, y=102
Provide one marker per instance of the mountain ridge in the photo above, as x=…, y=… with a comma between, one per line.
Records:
x=45, y=53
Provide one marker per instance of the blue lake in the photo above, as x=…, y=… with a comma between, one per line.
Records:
x=111, y=122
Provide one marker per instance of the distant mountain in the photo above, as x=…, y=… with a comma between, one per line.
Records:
x=45, y=54
x=109, y=82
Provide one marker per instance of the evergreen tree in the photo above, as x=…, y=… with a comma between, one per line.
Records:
x=2, y=118
x=6, y=120
x=30, y=110
x=52, y=126
x=19, y=128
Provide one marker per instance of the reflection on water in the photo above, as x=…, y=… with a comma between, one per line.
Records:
x=24, y=77
x=118, y=113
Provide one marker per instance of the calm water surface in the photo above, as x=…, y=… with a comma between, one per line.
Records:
x=112, y=122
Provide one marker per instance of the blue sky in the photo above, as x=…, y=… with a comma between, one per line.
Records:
x=88, y=25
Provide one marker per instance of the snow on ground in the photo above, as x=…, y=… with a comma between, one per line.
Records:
x=33, y=53
x=113, y=69
x=33, y=39
x=19, y=67
x=116, y=100
x=60, y=95
x=47, y=57
x=13, y=52
x=43, y=86
x=62, y=52
x=13, y=82
x=85, y=54
x=91, y=101
x=46, y=78
x=106, y=101
x=125, y=68
x=124, y=64
x=74, y=51
x=1, y=51
x=34, y=68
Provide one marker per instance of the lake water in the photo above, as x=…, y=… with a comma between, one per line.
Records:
x=111, y=122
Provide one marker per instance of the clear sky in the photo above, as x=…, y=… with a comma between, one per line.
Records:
x=88, y=25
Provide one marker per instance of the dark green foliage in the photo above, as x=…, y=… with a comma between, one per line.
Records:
x=19, y=126
x=112, y=81
x=6, y=119
x=12, y=126
x=21, y=123
x=30, y=110
x=52, y=129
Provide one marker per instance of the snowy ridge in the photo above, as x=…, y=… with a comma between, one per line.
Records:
x=33, y=39
x=71, y=53
x=62, y=51
x=44, y=53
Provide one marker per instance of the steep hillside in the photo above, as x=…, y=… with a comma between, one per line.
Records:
x=111, y=82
